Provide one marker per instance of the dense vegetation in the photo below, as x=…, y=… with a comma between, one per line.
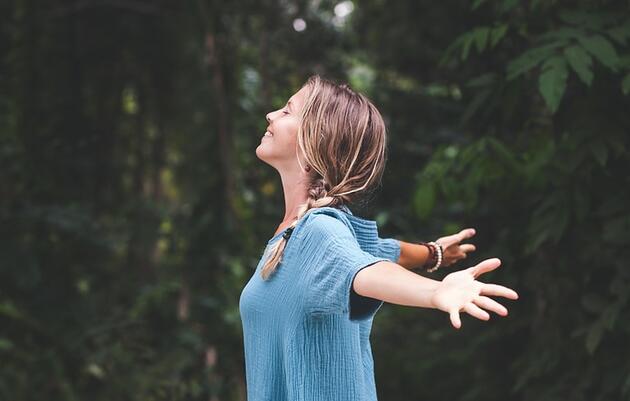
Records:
x=133, y=208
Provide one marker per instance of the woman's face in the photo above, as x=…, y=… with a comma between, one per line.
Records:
x=278, y=145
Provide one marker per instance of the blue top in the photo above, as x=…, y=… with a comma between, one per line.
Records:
x=306, y=332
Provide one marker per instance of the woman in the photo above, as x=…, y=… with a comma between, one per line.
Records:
x=307, y=311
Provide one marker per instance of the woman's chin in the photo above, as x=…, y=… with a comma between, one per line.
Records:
x=261, y=153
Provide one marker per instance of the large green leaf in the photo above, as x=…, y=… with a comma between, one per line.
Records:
x=497, y=33
x=481, y=35
x=467, y=41
x=553, y=81
x=581, y=62
x=530, y=59
x=602, y=49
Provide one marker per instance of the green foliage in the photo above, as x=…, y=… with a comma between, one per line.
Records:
x=582, y=38
x=552, y=81
x=580, y=62
x=133, y=208
x=548, y=187
x=424, y=200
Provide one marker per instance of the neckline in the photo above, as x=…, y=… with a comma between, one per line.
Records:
x=343, y=208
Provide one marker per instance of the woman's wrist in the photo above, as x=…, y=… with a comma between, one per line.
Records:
x=418, y=256
x=412, y=255
x=435, y=256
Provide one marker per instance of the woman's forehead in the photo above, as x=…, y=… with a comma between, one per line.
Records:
x=297, y=99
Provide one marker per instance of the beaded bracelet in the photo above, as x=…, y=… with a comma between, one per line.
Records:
x=440, y=252
x=435, y=256
x=431, y=259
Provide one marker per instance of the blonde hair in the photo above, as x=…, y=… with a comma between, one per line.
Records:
x=343, y=139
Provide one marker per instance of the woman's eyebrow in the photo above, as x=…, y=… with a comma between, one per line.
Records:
x=289, y=103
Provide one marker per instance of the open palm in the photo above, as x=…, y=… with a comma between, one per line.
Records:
x=460, y=291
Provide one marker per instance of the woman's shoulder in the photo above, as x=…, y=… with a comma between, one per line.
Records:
x=327, y=218
x=326, y=224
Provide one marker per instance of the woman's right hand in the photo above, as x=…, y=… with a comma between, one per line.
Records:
x=460, y=291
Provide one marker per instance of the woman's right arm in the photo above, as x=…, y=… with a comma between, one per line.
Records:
x=412, y=256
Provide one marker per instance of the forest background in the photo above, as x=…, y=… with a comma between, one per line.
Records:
x=133, y=208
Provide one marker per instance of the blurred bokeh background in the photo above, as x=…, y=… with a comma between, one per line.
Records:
x=133, y=208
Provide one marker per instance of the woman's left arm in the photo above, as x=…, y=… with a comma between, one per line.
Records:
x=458, y=291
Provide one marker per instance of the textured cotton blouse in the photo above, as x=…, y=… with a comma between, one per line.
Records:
x=306, y=332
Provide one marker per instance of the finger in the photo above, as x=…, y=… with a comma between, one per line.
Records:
x=491, y=304
x=485, y=266
x=476, y=311
x=498, y=290
x=454, y=314
x=446, y=242
x=466, y=233
x=467, y=248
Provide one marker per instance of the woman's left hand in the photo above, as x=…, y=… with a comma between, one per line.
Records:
x=453, y=250
x=461, y=292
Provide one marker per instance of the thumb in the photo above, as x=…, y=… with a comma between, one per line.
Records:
x=485, y=266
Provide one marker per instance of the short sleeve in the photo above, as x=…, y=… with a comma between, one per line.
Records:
x=388, y=248
x=337, y=257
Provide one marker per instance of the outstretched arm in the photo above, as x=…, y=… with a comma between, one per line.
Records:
x=414, y=256
x=458, y=291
